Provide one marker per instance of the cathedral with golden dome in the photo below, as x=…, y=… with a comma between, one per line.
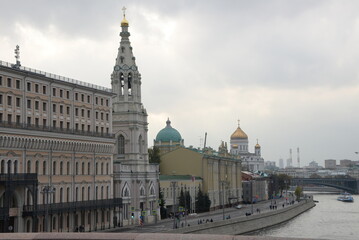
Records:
x=239, y=146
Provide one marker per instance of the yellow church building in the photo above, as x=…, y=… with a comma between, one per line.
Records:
x=220, y=171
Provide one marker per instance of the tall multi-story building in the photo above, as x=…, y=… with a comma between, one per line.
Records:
x=135, y=180
x=330, y=163
x=56, y=152
x=281, y=163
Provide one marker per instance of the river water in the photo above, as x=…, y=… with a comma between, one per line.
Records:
x=329, y=219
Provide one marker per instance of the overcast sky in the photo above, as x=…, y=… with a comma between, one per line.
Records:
x=287, y=69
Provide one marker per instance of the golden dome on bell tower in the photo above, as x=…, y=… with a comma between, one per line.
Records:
x=124, y=22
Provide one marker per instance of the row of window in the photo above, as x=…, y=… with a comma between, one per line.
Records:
x=61, y=126
x=100, y=169
x=55, y=107
x=55, y=91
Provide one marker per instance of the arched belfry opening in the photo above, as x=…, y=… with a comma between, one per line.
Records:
x=122, y=83
x=129, y=81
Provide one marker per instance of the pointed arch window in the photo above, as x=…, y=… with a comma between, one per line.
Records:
x=121, y=144
x=15, y=167
x=140, y=144
x=142, y=191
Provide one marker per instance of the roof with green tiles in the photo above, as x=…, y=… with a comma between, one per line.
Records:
x=178, y=177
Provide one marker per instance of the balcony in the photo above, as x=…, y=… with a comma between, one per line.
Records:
x=22, y=178
x=27, y=126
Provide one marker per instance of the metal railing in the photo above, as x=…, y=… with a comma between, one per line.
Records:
x=18, y=177
x=72, y=206
x=54, y=129
x=57, y=77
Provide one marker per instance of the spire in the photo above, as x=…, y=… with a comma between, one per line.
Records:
x=124, y=22
x=238, y=122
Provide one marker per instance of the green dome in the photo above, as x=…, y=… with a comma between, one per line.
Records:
x=168, y=134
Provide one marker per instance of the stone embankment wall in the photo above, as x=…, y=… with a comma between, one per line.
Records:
x=250, y=223
x=132, y=236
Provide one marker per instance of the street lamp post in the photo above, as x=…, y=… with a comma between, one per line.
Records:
x=174, y=184
x=48, y=189
x=251, y=182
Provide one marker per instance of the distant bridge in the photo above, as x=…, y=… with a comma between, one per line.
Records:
x=346, y=184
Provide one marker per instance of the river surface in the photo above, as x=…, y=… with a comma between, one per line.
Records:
x=329, y=219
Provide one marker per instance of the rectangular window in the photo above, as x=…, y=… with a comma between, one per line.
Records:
x=9, y=117
x=107, y=130
x=68, y=94
x=97, y=129
x=107, y=102
x=60, y=92
x=76, y=96
x=83, y=127
x=18, y=84
x=29, y=120
x=18, y=102
x=0, y=80
x=37, y=105
x=9, y=81
x=77, y=126
x=28, y=103
x=82, y=112
x=96, y=100
x=68, y=110
x=36, y=122
x=36, y=88
x=9, y=100
x=76, y=112
x=88, y=128
x=17, y=119
x=88, y=113
x=54, y=92
x=44, y=122
x=96, y=115
x=0, y=98
x=54, y=108
x=44, y=106
x=28, y=88
x=106, y=116
x=101, y=101
x=88, y=99
x=61, y=109
x=54, y=123
x=44, y=89
x=61, y=124
x=68, y=125
x=1, y=117
x=82, y=97
x=101, y=116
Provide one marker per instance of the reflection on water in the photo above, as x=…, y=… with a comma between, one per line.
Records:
x=329, y=219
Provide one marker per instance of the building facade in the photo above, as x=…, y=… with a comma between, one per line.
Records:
x=239, y=146
x=135, y=180
x=56, y=153
x=220, y=172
